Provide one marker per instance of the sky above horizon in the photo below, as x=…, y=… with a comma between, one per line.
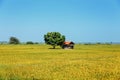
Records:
x=78, y=20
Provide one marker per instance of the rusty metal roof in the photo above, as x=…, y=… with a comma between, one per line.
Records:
x=67, y=43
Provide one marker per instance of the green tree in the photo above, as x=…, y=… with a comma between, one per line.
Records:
x=14, y=40
x=29, y=42
x=54, y=39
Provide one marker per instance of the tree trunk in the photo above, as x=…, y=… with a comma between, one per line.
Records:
x=53, y=46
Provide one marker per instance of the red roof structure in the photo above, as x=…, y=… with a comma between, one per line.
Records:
x=67, y=42
x=68, y=45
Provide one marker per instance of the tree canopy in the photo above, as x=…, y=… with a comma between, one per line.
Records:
x=14, y=40
x=54, y=39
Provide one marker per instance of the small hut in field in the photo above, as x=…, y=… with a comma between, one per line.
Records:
x=68, y=45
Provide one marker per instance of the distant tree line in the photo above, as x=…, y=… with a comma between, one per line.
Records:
x=51, y=38
x=97, y=43
x=14, y=40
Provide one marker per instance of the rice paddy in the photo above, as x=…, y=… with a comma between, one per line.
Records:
x=39, y=62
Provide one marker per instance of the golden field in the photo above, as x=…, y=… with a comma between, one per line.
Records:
x=38, y=62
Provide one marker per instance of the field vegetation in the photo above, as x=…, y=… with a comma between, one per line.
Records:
x=39, y=62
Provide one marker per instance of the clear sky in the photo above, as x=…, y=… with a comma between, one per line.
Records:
x=78, y=20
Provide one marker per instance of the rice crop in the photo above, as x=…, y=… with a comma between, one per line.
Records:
x=39, y=62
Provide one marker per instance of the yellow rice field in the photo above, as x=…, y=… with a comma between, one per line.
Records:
x=38, y=62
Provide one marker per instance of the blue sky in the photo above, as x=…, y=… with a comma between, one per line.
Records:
x=78, y=20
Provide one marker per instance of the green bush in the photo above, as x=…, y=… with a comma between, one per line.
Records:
x=29, y=42
x=14, y=40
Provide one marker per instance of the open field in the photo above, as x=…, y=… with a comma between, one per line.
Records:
x=38, y=62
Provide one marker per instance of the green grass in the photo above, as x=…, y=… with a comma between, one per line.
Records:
x=38, y=62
